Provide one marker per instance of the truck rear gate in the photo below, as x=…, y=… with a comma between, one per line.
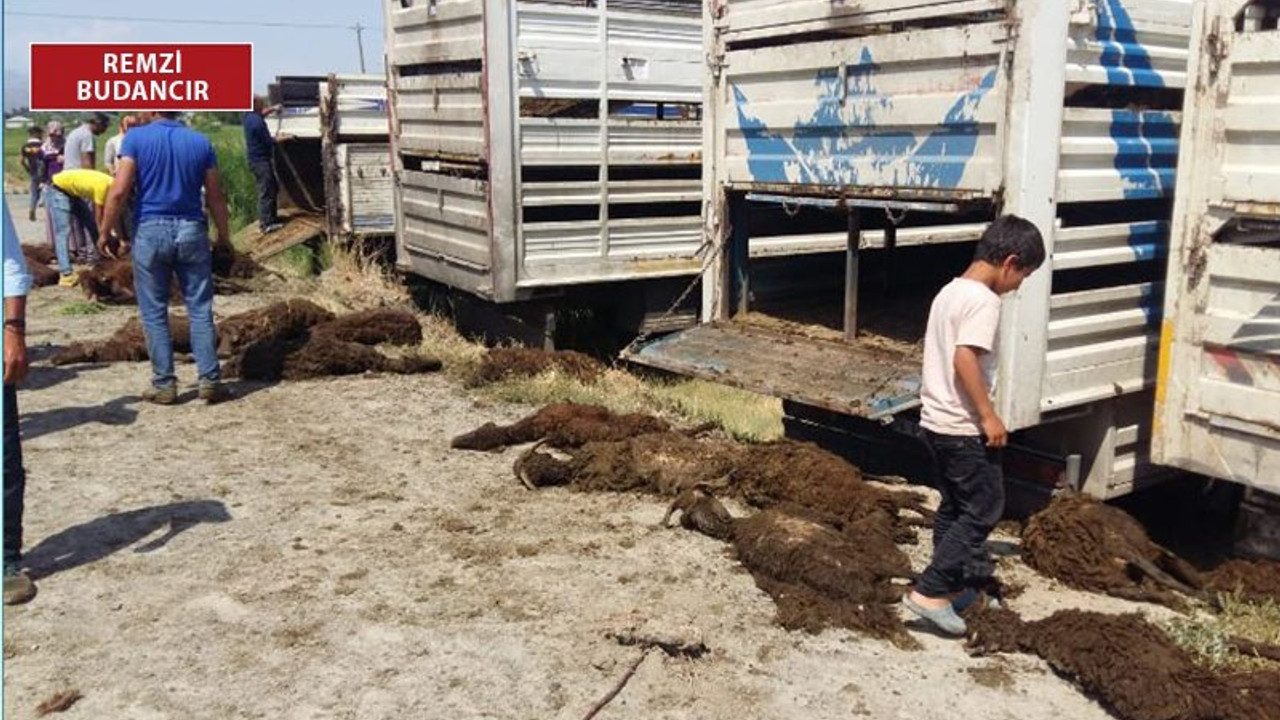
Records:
x=914, y=123
x=1218, y=399
x=540, y=144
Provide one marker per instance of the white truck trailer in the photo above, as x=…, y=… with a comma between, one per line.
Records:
x=334, y=153
x=1218, y=392
x=855, y=152
x=546, y=145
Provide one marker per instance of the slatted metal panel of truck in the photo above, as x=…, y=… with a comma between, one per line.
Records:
x=545, y=144
x=1218, y=401
x=948, y=112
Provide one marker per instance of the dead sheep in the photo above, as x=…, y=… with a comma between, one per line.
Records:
x=563, y=425
x=278, y=322
x=320, y=356
x=514, y=362
x=128, y=344
x=374, y=327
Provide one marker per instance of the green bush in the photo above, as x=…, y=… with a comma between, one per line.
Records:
x=237, y=180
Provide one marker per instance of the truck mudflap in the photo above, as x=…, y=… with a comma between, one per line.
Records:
x=863, y=379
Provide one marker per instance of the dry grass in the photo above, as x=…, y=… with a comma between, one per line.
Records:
x=441, y=340
x=356, y=281
x=744, y=415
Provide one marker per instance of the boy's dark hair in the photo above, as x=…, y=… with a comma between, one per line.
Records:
x=35, y=131
x=1011, y=235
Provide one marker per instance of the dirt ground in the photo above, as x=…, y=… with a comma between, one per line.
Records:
x=316, y=550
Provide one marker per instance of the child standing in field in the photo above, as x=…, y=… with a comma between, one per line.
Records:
x=960, y=424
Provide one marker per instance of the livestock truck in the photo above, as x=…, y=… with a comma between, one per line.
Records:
x=855, y=151
x=548, y=153
x=1218, y=382
x=333, y=151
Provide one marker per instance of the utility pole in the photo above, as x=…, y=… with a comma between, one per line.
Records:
x=360, y=43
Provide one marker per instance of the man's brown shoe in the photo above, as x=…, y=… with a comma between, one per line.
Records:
x=161, y=395
x=18, y=588
x=213, y=393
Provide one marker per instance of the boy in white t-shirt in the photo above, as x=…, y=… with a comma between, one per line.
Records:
x=959, y=421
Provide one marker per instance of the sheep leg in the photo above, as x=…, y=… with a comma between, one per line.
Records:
x=523, y=460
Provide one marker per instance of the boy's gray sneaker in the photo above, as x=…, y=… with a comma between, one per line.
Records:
x=213, y=392
x=167, y=395
x=944, y=618
x=18, y=588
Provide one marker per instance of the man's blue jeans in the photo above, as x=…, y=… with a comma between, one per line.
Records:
x=61, y=207
x=163, y=248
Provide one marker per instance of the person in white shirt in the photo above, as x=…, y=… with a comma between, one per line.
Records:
x=960, y=425
x=112, y=147
x=80, y=152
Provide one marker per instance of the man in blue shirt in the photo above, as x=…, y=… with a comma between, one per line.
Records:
x=259, y=146
x=18, y=587
x=170, y=163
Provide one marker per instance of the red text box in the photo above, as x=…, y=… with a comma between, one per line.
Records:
x=142, y=76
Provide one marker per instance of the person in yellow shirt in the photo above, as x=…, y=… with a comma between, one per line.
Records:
x=79, y=194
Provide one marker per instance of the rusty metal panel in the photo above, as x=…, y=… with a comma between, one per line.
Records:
x=1218, y=391
x=433, y=31
x=1250, y=133
x=862, y=379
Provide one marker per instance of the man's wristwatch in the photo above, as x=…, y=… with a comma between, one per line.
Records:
x=15, y=324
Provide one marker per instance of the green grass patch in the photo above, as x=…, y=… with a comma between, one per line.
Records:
x=306, y=260
x=1208, y=636
x=237, y=179
x=81, y=307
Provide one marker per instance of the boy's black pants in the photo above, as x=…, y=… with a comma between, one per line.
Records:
x=971, y=480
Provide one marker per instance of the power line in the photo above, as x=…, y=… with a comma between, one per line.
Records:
x=182, y=21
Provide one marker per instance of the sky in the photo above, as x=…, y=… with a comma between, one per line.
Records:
x=280, y=45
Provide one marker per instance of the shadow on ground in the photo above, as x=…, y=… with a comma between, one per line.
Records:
x=89, y=542
x=46, y=422
x=43, y=377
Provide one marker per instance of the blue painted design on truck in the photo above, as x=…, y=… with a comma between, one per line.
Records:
x=840, y=140
x=1149, y=240
x=1146, y=141
x=1146, y=152
x=1126, y=60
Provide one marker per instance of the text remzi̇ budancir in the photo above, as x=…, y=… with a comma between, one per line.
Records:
x=142, y=90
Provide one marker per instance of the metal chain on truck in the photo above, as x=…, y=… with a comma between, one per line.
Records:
x=680, y=299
